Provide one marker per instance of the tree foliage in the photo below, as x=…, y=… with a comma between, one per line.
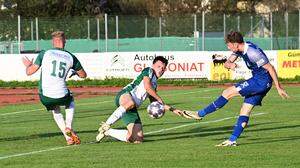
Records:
x=63, y=8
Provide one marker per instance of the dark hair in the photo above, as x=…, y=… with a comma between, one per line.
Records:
x=160, y=58
x=234, y=37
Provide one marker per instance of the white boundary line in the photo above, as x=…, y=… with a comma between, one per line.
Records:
x=148, y=133
x=109, y=101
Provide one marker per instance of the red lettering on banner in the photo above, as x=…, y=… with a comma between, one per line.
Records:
x=172, y=67
x=181, y=67
x=185, y=67
x=291, y=64
x=138, y=67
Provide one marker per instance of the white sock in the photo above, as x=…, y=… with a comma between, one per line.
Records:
x=59, y=119
x=116, y=115
x=118, y=134
x=69, y=114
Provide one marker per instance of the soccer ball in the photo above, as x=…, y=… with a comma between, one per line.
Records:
x=156, y=110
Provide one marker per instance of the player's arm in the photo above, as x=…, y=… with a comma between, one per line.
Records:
x=274, y=76
x=150, y=90
x=152, y=99
x=173, y=110
x=31, y=68
x=77, y=67
x=229, y=64
x=81, y=73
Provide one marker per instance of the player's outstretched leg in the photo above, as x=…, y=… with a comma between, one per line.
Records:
x=217, y=104
x=198, y=115
x=102, y=129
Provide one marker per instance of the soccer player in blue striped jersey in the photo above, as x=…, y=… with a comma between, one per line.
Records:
x=253, y=89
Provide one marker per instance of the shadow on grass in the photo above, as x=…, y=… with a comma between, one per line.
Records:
x=192, y=133
x=271, y=139
x=204, y=132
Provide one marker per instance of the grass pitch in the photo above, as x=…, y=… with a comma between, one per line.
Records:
x=29, y=136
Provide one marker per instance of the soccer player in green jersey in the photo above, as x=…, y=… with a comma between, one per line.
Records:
x=129, y=99
x=55, y=64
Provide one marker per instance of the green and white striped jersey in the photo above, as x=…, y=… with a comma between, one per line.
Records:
x=137, y=88
x=55, y=65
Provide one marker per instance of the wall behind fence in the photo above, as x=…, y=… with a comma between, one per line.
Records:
x=189, y=64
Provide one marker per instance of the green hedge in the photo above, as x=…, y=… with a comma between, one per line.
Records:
x=121, y=82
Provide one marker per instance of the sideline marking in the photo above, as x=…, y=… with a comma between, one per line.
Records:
x=151, y=132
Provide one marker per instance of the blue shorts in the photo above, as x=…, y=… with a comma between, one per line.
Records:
x=254, y=90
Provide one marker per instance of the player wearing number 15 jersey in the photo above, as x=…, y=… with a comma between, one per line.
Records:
x=55, y=64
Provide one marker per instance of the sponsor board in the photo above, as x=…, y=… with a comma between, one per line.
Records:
x=191, y=64
x=218, y=71
x=288, y=63
x=181, y=64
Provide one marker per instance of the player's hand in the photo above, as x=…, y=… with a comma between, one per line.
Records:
x=173, y=110
x=233, y=66
x=27, y=62
x=177, y=112
x=283, y=93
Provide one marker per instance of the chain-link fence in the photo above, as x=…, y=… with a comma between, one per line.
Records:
x=271, y=31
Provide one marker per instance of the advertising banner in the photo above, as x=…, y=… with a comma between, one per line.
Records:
x=288, y=63
x=190, y=64
x=218, y=71
x=181, y=64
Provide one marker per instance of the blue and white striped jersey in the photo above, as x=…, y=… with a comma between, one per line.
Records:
x=254, y=58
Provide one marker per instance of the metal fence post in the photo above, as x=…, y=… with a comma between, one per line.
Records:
x=224, y=24
x=203, y=30
x=262, y=27
x=271, y=31
x=88, y=29
x=251, y=26
x=31, y=30
x=146, y=27
x=117, y=32
x=160, y=32
x=19, y=33
x=106, y=34
x=286, y=30
x=36, y=34
x=98, y=35
x=195, y=33
x=238, y=23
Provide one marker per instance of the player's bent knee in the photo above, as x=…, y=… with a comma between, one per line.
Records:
x=230, y=92
x=127, y=104
x=135, y=138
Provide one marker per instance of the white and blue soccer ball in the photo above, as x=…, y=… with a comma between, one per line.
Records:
x=156, y=110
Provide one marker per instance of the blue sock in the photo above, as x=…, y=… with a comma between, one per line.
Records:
x=219, y=103
x=238, y=129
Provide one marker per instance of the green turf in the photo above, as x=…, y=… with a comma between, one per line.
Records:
x=31, y=138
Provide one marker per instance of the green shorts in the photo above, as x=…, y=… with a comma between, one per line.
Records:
x=51, y=103
x=131, y=116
